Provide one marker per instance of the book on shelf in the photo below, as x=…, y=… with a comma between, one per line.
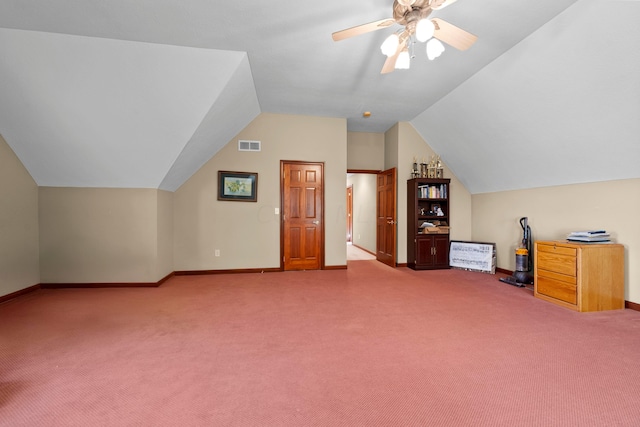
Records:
x=432, y=191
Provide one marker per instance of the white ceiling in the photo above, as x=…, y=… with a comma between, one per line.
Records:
x=141, y=93
x=561, y=107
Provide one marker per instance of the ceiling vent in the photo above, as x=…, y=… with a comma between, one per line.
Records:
x=249, y=145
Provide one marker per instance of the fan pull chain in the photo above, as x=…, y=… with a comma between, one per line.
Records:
x=412, y=48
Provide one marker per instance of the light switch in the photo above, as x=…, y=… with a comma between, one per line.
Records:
x=277, y=211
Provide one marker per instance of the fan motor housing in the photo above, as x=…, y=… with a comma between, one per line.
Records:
x=405, y=15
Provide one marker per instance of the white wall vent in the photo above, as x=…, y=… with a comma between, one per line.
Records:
x=249, y=145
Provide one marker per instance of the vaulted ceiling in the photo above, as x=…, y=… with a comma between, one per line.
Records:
x=141, y=93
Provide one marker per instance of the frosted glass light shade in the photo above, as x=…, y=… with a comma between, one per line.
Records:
x=424, y=30
x=434, y=49
x=390, y=45
x=404, y=61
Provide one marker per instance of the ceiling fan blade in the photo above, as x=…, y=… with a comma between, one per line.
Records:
x=444, y=4
x=390, y=63
x=452, y=35
x=362, y=29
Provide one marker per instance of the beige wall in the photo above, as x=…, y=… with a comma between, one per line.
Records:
x=19, y=262
x=554, y=212
x=391, y=146
x=104, y=235
x=364, y=210
x=248, y=234
x=410, y=146
x=164, y=261
x=401, y=145
x=365, y=151
x=89, y=235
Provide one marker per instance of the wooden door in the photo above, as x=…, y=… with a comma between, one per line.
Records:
x=350, y=214
x=302, y=234
x=386, y=223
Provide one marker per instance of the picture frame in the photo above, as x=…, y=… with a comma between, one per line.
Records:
x=237, y=186
x=435, y=207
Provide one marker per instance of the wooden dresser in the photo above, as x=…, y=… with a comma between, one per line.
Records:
x=580, y=276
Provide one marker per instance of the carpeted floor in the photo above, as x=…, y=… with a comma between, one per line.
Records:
x=366, y=346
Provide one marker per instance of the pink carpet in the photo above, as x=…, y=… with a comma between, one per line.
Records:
x=367, y=346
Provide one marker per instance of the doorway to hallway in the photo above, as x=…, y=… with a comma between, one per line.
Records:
x=355, y=253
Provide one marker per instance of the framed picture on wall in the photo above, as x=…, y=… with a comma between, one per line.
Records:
x=238, y=186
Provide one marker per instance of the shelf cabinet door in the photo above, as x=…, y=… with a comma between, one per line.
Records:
x=441, y=250
x=424, y=252
x=432, y=251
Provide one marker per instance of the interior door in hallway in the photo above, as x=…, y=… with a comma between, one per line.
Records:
x=302, y=230
x=350, y=214
x=386, y=222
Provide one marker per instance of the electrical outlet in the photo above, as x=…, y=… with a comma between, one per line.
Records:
x=217, y=253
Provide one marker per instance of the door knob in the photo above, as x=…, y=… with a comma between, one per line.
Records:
x=316, y=222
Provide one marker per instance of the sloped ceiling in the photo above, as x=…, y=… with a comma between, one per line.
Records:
x=142, y=93
x=561, y=107
x=103, y=112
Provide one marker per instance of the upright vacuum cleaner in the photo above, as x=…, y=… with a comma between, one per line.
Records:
x=522, y=276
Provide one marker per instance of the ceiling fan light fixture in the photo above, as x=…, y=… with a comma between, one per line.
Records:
x=413, y=16
x=404, y=60
x=434, y=49
x=424, y=30
x=390, y=45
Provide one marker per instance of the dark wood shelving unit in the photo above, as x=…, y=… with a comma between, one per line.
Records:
x=428, y=248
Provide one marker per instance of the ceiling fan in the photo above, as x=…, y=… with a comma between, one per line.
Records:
x=413, y=15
